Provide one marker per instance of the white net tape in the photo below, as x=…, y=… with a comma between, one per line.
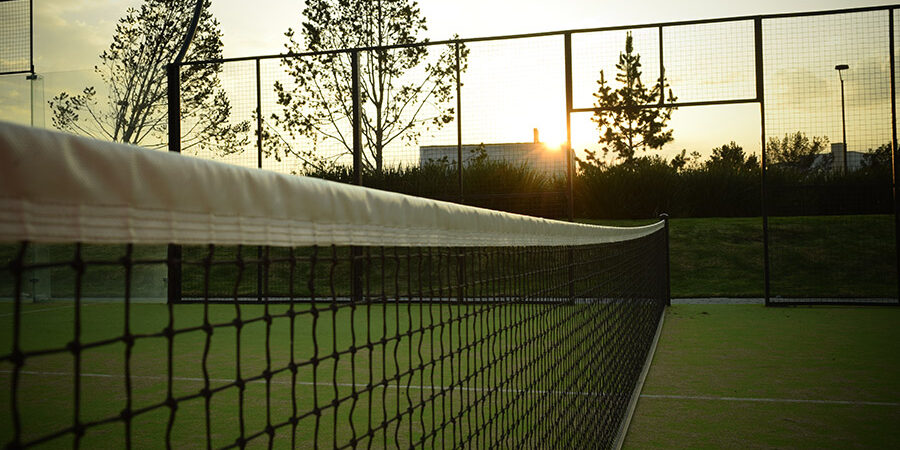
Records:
x=56, y=187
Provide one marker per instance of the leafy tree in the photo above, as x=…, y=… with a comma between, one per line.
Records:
x=626, y=120
x=797, y=151
x=404, y=90
x=683, y=162
x=731, y=156
x=878, y=158
x=133, y=69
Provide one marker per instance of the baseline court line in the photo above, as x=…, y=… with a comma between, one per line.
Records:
x=460, y=388
x=58, y=308
x=768, y=400
x=301, y=383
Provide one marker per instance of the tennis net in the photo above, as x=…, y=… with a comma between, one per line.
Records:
x=304, y=313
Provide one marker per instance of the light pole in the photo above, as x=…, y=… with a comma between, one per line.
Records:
x=841, y=68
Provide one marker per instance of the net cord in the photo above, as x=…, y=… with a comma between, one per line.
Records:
x=56, y=187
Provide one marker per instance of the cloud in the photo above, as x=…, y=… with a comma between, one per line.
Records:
x=70, y=34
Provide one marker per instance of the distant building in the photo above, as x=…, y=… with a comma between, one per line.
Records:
x=835, y=160
x=854, y=159
x=537, y=155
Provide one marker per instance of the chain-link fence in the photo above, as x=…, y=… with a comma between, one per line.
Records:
x=515, y=123
x=16, y=55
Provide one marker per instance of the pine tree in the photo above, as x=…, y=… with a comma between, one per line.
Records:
x=627, y=117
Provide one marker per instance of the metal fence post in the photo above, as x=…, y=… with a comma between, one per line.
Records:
x=260, y=273
x=662, y=70
x=31, y=37
x=760, y=97
x=894, y=161
x=357, y=118
x=173, y=252
x=570, y=157
x=570, y=160
x=459, y=158
x=356, y=267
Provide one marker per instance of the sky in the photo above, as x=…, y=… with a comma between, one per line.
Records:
x=70, y=34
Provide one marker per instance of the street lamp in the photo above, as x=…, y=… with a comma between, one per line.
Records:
x=841, y=68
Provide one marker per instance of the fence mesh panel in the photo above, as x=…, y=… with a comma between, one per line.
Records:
x=831, y=218
x=15, y=36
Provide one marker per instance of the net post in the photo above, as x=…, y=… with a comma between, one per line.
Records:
x=461, y=274
x=356, y=268
x=665, y=218
x=173, y=252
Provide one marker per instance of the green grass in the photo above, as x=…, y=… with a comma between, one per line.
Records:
x=720, y=257
x=825, y=256
x=747, y=351
x=837, y=256
x=712, y=257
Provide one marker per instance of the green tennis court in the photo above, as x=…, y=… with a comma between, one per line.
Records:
x=746, y=376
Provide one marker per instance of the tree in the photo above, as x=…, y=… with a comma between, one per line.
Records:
x=133, y=69
x=627, y=117
x=404, y=90
x=731, y=156
x=797, y=151
x=683, y=162
x=879, y=157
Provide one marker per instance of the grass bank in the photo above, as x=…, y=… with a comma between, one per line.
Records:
x=819, y=256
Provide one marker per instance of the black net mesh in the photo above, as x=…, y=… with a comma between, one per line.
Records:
x=429, y=347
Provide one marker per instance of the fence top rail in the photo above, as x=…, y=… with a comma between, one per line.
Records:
x=546, y=34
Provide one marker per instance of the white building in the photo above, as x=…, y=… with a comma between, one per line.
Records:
x=854, y=159
x=537, y=155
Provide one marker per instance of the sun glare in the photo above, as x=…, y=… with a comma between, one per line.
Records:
x=551, y=131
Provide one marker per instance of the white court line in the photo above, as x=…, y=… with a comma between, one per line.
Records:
x=514, y=391
x=84, y=303
x=769, y=400
x=302, y=383
x=32, y=311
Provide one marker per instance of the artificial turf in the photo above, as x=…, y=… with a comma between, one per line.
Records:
x=746, y=376
x=512, y=367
